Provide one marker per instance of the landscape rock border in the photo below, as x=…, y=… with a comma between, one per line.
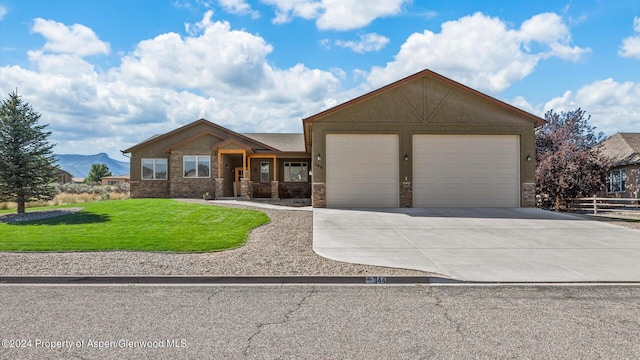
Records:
x=37, y=215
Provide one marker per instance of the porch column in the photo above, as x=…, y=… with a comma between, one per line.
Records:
x=275, y=168
x=244, y=164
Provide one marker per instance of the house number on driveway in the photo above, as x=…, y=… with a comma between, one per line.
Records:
x=376, y=280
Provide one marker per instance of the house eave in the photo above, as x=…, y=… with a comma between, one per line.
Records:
x=308, y=122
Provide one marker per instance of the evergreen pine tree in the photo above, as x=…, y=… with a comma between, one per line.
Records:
x=97, y=172
x=27, y=164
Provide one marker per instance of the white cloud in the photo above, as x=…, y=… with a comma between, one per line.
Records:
x=3, y=11
x=213, y=72
x=239, y=7
x=612, y=105
x=631, y=45
x=522, y=103
x=367, y=43
x=335, y=14
x=211, y=58
x=75, y=39
x=481, y=51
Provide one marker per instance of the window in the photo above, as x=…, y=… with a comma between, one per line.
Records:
x=154, y=169
x=616, y=181
x=296, y=172
x=264, y=172
x=196, y=166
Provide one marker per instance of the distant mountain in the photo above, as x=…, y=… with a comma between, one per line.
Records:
x=80, y=165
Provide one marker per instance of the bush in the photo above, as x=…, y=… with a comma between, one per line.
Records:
x=72, y=188
x=72, y=193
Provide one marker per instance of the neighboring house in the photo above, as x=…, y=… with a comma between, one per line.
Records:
x=115, y=180
x=203, y=157
x=77, y=180
x=64, y=177
x=423, y=141
x=623, y=150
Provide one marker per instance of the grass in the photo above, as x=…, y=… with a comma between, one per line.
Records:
x=135, y=224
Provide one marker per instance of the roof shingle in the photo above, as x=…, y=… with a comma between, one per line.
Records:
x=282, y=142
x=622, y=149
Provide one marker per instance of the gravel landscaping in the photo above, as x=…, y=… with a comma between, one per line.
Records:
x=627, y=219
x=282, y=247
x=36, y=215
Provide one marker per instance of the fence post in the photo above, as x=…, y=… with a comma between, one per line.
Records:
x=595, y=205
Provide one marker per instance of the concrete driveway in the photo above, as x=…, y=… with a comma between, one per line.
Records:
x=481, y=244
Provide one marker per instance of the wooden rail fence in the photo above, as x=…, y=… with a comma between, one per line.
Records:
x=597, y=204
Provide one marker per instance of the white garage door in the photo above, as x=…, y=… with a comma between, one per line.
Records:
x=466, y=171
x=362, y=170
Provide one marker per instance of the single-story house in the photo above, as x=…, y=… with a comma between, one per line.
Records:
x=115, y=180
x=623, y=151
x=64, y=176
x=423, y=141
x=205, y=158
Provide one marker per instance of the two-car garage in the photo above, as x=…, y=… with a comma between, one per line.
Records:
x=423, y=141
x=363, y=170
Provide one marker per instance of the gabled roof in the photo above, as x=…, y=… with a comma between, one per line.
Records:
x=307, y=122
x=282, y=142
x=187, y=140
x=230, y=141
x=195, y=123
x=622, y=149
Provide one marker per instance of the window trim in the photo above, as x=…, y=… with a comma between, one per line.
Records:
x=197, y=159
x=303, y=164
x=155, y=160
x=622, y=181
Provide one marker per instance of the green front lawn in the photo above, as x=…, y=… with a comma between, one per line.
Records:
x=135, y=224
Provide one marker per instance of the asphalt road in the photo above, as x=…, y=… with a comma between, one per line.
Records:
x=319, y=322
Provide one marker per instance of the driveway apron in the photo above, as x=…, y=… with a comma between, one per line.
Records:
x=481, y=244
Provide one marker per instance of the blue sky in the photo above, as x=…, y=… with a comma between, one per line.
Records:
x=108, y=74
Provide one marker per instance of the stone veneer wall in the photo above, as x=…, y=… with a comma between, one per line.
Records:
x=319, y=195
x=149, y=189
x=181, y=187
x=294, y=190
x=261, y=190
x=528, y=195
x=406, y=195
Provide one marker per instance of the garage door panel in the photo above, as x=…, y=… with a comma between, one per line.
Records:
x=362, y=170
x=466, y=170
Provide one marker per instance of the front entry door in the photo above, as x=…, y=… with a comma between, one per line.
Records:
x=239, y=175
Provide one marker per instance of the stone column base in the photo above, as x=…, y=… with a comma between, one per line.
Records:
x=275, y=194
x=245, y=193
x=319, y=195
x=406, y=194
x=528, y=195
x=219, y=188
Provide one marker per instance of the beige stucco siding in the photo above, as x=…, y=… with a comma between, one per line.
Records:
x=425, y=106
